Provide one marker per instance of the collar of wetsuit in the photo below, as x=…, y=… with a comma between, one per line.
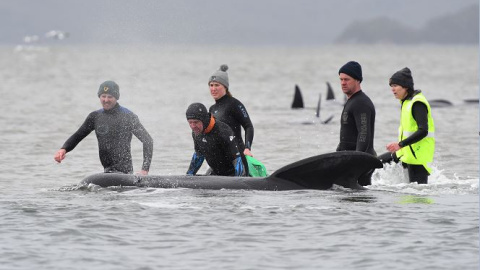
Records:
x=222, y=98
x=114, y=109
x=210, y=125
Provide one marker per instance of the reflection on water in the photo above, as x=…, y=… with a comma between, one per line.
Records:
x=407, y=199
x=359, y=198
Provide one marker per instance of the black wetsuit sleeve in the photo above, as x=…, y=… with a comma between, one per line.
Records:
x=85, y=129
x=197, y=159
x=243, y=118
x=248, y=135
x=420, y=114
x=142, y=134
x=363, y=118
x=239, y=167
x=195, y=163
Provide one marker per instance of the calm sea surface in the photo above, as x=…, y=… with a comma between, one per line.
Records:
x=48, y=222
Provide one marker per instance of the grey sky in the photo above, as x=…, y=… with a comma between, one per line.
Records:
x=258, y=22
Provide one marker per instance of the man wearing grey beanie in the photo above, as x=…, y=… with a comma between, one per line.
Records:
x=114, y=126
x=357, y=122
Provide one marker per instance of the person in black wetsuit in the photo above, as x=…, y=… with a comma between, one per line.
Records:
x=215, y=142
x=416, y=143
x=114, y=126
x=230, y=110
x=357, y=122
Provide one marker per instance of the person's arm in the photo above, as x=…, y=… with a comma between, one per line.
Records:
x=420, y=114
x=142, y=134
x=195, y=164
x=85, y=129
x=238, y=165
x=362, y=121
x=233, y=151
x=243, y=118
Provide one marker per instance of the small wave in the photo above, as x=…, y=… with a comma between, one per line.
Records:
x=92, y=188
x=393, y=177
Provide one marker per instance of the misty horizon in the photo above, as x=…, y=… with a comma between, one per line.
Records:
x=264, y=22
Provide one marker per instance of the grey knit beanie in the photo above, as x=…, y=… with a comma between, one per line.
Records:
x=220, y=76
x=109, y=87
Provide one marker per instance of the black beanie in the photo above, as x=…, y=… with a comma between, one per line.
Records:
x=403, y=78
x=198, y=111
x=109, y=87
x=352, y=69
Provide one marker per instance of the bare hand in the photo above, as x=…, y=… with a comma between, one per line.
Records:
x=60, y=155
x=142, y=172
x=393, y=147
x=247, y=152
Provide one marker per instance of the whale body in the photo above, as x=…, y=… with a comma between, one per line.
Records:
x=317, y=172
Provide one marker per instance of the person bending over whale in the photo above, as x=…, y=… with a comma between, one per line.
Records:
x=416, y=142
x=230, y=110
x=357, y=122
x=215, y=142
x=114, y=126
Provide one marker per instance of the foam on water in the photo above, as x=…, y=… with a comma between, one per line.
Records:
x=393, y=177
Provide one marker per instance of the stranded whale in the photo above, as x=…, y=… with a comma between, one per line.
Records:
x=317, y=172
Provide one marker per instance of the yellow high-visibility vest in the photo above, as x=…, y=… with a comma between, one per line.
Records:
x=421, y=152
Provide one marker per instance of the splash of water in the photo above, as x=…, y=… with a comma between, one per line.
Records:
x=393, y=177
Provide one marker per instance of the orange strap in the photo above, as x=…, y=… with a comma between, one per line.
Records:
x=210, y=126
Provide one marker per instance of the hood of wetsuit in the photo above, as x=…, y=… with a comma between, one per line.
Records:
x=198, y=111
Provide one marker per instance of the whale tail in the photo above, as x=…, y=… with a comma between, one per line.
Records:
x=326, y=121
